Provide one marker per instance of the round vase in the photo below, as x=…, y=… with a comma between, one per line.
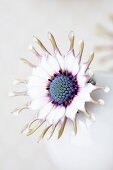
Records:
x=92, y=147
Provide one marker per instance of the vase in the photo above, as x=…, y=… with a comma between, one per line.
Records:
x=92, y=147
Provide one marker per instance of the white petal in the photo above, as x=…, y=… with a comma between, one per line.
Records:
x=45, y=66
x=55, y=115
x=40, y=72
x=34, y=81
x=36, y=92
x=79, y=104
x=81, y=80
x=89, y=87
x=53, y=64
x=71, y=110
x=38, y=103
x=45, y=110
x=82, y=69
x=72, y=64
x=84, y=95
x=61, y=60
x=50, y=64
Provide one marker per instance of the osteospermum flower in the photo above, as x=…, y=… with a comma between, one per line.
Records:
x=58, y=88
x=108, y=47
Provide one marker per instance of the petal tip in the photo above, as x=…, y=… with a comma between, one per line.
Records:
x=106, y=89
x=101, y=101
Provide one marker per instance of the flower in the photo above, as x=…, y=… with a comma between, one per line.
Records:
x=58, y=88
x=106, y=49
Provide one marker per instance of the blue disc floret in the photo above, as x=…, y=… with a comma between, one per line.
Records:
x=62, y=88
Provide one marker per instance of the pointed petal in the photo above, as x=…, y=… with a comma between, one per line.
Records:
x=53, y=42
x=82, y=69
x=37, y=92
x=40, y=72
x=82, y=80
x=71, y=39
x=84, y=95
x=45, y=110
x=91, y=57
x=43, y=133
x=55, y=115
x=57, y=52
x=61, y=61
x=35, y=52
x=42, y=46
x=53, y=64
x=45, y=66
x=89, y=87
x=72, y=64
x=38, y=103
x=34, y=129
x=18, y=110
x=71, y=110
x=75, y=126
x=35, y=81
x=53, y=130
x=80, y=104
x=19, y=81
x=25, y=61
x=62, y=127
x=81, y=46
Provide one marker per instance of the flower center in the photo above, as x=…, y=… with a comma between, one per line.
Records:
x=62, y=88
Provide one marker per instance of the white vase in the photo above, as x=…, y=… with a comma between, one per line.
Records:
x=92, y=147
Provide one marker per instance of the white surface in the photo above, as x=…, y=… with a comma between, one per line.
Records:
x=92, y=147
x=19, y=20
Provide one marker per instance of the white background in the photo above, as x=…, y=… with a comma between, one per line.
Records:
x=19, y=21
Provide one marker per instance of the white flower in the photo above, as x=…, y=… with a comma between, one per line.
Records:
x=106, y=49
x=58, y=88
